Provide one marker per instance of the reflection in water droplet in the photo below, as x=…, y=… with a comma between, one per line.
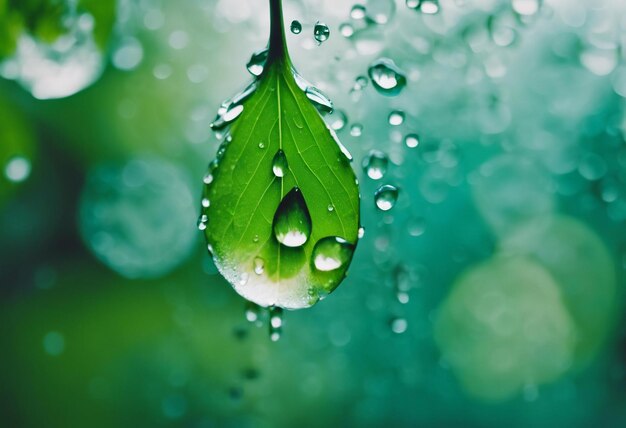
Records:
x=411, y=141
x=375, y=164
x=296, y=27
x=256, y=64
x=321, y=32
x=276, y=323
x=332, y=253
x=396, y=118
x=387, y=78
x=279, y=164
x=292, y=221
x=386, y=197
x=17, y=169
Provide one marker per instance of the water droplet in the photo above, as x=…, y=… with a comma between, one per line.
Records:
x=257, y=62
x=229, y=114
x=296, y=27
x=256, y=238
x=332, y=253
x=321, y=101
x=243, y=279
x=356, y=130
x=253, y=312
x=386, y=197
x=429, y=7
x=375, y=164
x=206, y=203
x=396, y=118
x=17, y=169
x=357, y=12
x=276, y=323
x=526, y=7
x=292, y=221
x=361, y=232
x=412, y=141
x=413, y=4
x=128, y=54
x=387, y=78
x=331, y=208
x=346, y=30
x=398, y=325
x=261, y=145
x=202, y=221
x=337, y=121
x=259, y=265
x=208, y=179
x=321, y=32
x=280, y=167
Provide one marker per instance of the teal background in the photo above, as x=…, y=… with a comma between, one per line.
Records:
x=490, y=295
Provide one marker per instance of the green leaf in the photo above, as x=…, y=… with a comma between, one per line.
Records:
x=281, y=185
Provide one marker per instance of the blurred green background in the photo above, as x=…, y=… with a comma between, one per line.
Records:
x=490, y=295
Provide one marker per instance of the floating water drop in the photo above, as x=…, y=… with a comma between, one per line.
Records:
x=346, y=30
x=358, y=12
x=398, y=325
x=332, y=253
x=526, y=7
x=296, y=27
x=279, y=164
x=387, y=78
x=356, y=130
x=128, y=54
x=386, y=197
x=257, y=62
x=412, y=141
x=292, y=221
x=253, y=312
x=337, y=121
x=375, y=164
x=396, y=118
x=321, y=32
x=429, y=7
x=413, y=4
x=276, y=323
x=17, y=169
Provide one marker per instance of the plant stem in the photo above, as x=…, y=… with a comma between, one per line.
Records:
x=278, y=45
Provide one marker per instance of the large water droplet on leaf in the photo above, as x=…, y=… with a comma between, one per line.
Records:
x=332, y=253
x=279, y=164
x=292, y=221
x=257, y=62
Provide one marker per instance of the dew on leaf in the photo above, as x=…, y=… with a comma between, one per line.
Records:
x=337, y=121
x=375, y=164
x=387, y=77
x=332, y=253
x=386, y=197
x=259, y=265
x=279, y=164
x=292, y=221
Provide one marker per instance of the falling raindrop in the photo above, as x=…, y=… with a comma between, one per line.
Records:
x=321, y=32
x=279, y=164
x=386, y=197
x=387, y=78
x=375, y=164
x=292, y=221
x=276, y=323
x=296, y=27
x=332, y=253
x=396, y=118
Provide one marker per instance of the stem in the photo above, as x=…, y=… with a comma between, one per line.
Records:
x=278, y=44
